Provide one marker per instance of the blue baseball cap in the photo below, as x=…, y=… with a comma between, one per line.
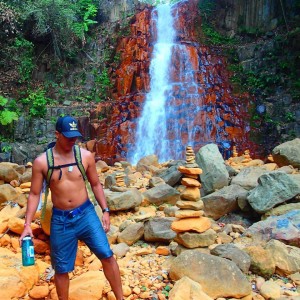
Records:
x=68, y=126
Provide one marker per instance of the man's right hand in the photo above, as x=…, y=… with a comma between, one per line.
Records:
x=27, y=231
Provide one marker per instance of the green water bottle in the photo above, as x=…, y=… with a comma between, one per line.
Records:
x=27, y=251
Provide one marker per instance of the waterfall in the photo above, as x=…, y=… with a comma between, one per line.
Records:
x=171, y=91
x=185, y=103
x=151, y=134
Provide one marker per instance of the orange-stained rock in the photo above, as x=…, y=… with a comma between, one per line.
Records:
x=190, y=193
x=5, y=240
x=88, y=285
x=90, y=145
x=190, y=182
x=79, y=258
x=191, y=224
x=39, y=292
x=162, y=250
x=191, y=171
x=3, y=227
x=40, y=247
x=188, y=213
x=16, y=225
x=25, y=185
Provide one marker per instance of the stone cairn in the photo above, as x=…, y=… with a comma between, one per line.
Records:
x=247, y=157
x=120, y=185
x=120, y=179
x=234, y=152
x=190, y=220
x=237, y=161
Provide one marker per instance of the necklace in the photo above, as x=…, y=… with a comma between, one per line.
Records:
x=70, y=168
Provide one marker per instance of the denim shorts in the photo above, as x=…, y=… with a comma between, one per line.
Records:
x=67, y=228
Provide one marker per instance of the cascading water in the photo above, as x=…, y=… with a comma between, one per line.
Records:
x=171, y=92
x=151, y=135
x=161, y=118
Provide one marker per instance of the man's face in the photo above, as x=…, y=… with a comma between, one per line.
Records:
x=65, y=143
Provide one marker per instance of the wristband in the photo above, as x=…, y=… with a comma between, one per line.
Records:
x=105, y=210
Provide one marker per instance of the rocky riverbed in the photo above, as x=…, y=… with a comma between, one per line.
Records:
x=200, y=228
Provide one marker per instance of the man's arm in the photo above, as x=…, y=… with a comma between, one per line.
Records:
x=96, y=186
x=34, y=195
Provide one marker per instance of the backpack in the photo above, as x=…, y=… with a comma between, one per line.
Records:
x=51, y=168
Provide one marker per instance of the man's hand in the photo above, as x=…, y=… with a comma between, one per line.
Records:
x=27, y=231
x=106, y=222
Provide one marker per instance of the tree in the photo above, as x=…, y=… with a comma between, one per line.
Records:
x=62, y=23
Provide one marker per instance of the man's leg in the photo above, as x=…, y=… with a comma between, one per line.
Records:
x=62, y=285
x=112, y=273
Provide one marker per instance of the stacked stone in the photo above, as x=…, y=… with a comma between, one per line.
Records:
x=191, y=226
x=120, y=179
x=246, y=156
x=118, y=166
x=270, y=158
x=234, y=152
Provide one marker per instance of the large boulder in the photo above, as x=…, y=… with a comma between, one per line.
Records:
x=248, y=177
x=89, y=285
x=288, y=153
x=214, y=175
x=8, y=172
x=118, y=201
x=187, y=289
x=223, y=201
x=162, y=193
x=218, y=277
x=170, y=175
x=159, y=230
x=287, y=257
x=8, y=193
x=285, y=228
x=148, y=163
x=272, y=189
x=131, y=234
x=233, y=253
x=15, y=280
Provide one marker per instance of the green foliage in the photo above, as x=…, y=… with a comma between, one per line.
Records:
x=24, y=50
x=6, y=148
x=36, y=103
x=290, y=117
x=213, y=37
x=62, y=22
x=103, y=83
x=207, y=7
x=89, y=11
x=250, y=31
x=101, y=88
x=143, y=288
x=6, y=116
x=166, y=290
x=8, y=20
x=278, y=69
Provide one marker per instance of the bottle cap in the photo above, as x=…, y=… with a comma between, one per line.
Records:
x=27, y=237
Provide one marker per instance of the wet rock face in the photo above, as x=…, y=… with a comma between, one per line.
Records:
x=213, y=112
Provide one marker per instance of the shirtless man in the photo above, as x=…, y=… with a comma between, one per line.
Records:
x=70, y=197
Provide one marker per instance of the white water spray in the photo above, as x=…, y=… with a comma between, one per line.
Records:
x=151, y=135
